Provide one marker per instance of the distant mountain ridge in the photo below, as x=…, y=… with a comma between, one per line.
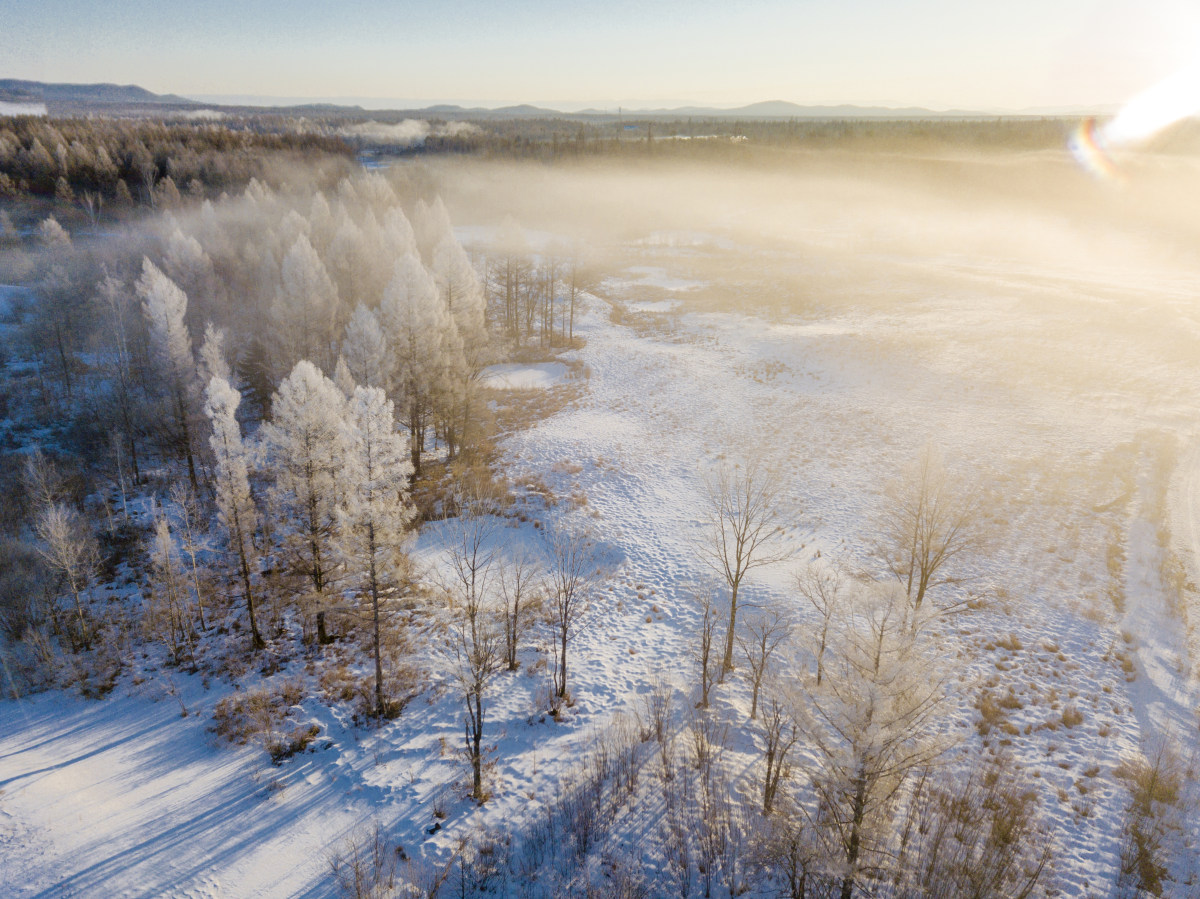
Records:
x=76, y=98
x=15, y=90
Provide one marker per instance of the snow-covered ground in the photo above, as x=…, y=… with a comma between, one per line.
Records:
x=514, y=376
x=1064, y=415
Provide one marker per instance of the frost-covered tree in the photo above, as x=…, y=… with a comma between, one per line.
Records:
x=165, y=306
x=459, y=287
x=366, y=350
x=53, y=235
x=116, y=303
x=873, y=723
x=430, y=224
x=212, y=355
x=374, y=511
x=191, y=268
x=235, y=504
x=67, y=545
x=343, y=379
x=303, y=313
x=167, y=615
x=304, y=445
x=416, y=323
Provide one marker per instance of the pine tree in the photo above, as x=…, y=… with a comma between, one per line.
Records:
x=235, y=505
x=375, y=510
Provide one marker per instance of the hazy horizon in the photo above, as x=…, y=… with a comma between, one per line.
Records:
x=930, y=54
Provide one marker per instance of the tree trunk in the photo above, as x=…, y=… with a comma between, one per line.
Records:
x=727, y=664
x=476, y=749
x=853, y=848
x=379, y=705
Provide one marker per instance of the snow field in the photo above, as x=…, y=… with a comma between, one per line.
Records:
x=126, y=797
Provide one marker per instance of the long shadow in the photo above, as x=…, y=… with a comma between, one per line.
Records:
x=125, y=738
x=236, y=824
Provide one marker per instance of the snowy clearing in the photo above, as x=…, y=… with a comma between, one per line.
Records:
x=513, y=376
x=1078, y=426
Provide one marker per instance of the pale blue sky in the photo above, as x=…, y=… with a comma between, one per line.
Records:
x=936, y=53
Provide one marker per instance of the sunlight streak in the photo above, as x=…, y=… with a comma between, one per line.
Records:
x=1169, y=101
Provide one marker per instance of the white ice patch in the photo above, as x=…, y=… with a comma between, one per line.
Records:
x=512, y=376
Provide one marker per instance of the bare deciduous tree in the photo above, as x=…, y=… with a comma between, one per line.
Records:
x=822, y=588
x=478, y=646
x=517, y=579
x=928, y=522
x=478, y=657
x=573, y=575
x=190, y=540
x=706, y=665
x=762, y=634
x=745, y=527
x=780, y=733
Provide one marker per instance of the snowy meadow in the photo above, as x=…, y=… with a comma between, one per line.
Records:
x=822, y=527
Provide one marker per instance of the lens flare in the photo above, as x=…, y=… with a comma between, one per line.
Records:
x=1171, y=100
x=1088, y=148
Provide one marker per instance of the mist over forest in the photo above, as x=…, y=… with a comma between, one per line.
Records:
x=546, y=507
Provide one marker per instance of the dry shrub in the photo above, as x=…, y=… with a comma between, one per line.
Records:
x=365, y=865
x=256, y=714
x=1010, y=642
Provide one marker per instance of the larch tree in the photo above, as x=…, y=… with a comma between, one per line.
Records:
x=116, y=303
x=744, y=518
x=167, y=613
x=374, y=513
x=304, y=310
x=511, y=273
x=366, y=350
x=67, y=545
x=873, y=723
x=415, y=322
x=304, y=443
x=235, y=505
x=212, y=355
x=165, y=306
x=465, y=300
